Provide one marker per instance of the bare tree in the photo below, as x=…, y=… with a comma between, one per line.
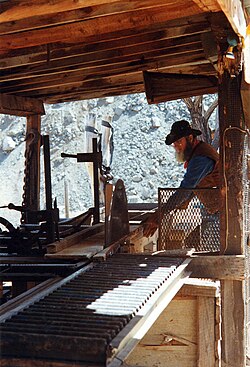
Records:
x=200, y=118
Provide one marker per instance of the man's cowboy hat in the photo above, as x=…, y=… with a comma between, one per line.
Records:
x=179, y=130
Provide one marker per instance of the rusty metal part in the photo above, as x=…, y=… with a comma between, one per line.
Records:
x=31, y=138
x=119, y=219
x=77, y=319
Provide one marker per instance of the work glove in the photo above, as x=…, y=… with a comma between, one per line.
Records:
x=150, y=225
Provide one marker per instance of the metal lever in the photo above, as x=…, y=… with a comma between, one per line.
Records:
x=18, y=208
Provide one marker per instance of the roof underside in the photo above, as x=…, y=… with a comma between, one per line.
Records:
x=63, y=50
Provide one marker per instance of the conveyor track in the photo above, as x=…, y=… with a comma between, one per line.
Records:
x=78, y=320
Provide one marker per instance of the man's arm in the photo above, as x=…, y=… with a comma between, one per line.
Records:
x=198, y=168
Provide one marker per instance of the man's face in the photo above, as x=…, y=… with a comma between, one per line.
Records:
x=183, y=148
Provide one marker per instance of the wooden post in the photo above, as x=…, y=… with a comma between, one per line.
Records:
x=206, y=332
x=232, y=152
x=31, y=195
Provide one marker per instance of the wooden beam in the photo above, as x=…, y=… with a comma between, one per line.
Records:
x=235, y=15
x=206, y=332
x=113, y=68
x=160, y=86
x=232, y=153
x=233, y=327
x=218, y=267
x=20, y=106
x=197, y=287
x=127, y=52
x=74, y=238
x=98, y=28
x=39, y=14
x=42, y=54
x=233, y=135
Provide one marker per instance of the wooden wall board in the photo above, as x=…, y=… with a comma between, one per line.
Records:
x=172, y=340
x=186, y=333
x=206, y=332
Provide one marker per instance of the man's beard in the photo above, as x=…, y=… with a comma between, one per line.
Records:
x=184, y=156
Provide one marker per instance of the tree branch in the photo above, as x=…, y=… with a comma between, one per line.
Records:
x=210, y=109
x=189, y=103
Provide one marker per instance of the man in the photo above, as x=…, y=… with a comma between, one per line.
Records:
x=201, y=162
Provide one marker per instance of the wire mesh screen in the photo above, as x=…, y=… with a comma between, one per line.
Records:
x=185, y=222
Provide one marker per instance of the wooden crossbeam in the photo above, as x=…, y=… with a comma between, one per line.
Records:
x=86, y=59
x=33, y=14
x=230, y=267
x=100, y=27
x=159, y=85
x=20, y=106
x=42, y=54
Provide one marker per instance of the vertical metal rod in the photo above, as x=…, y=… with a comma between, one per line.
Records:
x=47, y=172
x=50, y=224
x=96, y=215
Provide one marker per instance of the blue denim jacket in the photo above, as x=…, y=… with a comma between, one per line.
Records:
x=197, y=169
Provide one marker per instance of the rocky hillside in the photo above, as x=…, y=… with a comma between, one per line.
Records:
x=140, y=156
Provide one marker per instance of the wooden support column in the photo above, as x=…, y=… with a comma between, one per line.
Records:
x=31, y=195
x=206, y=332
x=232, y=153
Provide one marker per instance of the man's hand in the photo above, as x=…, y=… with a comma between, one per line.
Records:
x=150, y=225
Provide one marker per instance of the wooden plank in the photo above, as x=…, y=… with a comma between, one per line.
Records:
x=172, y=339
x=84, y=248
x=99, y=27
x=20, y=106
x=106, y=252
x=74, y=238
x=88, y=9
x=39, y=14
x=199, y=288
x=119, y=67
x=218, y=267
x=79, y=251
x=103, y=58
x=233, y=338
x=39, y=54
x=206, y=332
